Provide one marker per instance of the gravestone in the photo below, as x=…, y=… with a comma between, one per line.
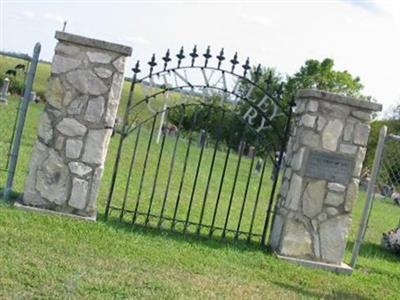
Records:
x=203, y=138
x=241, y=147
x=4, y=91
x=32, y=97
x=75, y=128
x=258, y=166
x=252, y=152
x=323, y=162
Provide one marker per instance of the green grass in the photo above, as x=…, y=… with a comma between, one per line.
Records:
x=41, y=77
x=50, y=257
x=189, y=188
x=53, y=257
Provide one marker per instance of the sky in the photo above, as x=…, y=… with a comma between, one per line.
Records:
x=363, y=37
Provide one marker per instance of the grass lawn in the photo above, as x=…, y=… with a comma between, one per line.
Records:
x=53, y=257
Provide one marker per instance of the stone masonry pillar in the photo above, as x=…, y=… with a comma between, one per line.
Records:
x=324, y=158
x=74, y=130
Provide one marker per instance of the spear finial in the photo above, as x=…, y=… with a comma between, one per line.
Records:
x=220, y=57
x=207, y=56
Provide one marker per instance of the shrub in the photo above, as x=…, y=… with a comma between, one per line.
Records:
x=16, y=84
x=41, y=95
x=16, y=87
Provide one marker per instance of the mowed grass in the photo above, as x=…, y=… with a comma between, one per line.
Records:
x=52, y=257
x=193, y=193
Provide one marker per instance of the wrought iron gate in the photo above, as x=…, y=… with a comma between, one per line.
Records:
x=200, y=147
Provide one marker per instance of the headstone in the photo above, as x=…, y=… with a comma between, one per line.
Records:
x=323, y=165
x=74, y=131
x=33, y=97
x=277, y=167
x=258, y=166
x=4, y=91
x=241, y=147
x=252, y=152
x=203, y=138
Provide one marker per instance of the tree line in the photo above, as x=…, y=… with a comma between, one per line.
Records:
x=231, y=129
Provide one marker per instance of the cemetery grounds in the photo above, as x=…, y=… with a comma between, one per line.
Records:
x=110, y=260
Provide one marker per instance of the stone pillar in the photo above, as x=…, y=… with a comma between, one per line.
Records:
x=74, y=131
x=324, y=158
x=4, y=91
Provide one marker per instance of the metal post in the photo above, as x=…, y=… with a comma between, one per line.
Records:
x=370, y=195
x=21, y=121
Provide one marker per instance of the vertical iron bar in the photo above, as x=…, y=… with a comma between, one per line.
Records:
x=13, y=131
x=271, y=198
x=210, y=173
x=219, y=191
x=144, y=169
x=257, y=199
x=21, y=122
x=244, y=198
x=194, y=187
x=181, y=183
x=233, y=191
x=130, y=173
x=155, y=179
x=119, y=150
x=183, y=172
x=171, y=167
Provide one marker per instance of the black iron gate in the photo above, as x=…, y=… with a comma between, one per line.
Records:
x=200, y=148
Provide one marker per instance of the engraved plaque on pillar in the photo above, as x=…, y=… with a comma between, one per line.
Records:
x=333, y=167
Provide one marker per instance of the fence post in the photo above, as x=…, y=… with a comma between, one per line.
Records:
x=370, y=195
x=21, y=121
x=323, y=164
x=75, y=128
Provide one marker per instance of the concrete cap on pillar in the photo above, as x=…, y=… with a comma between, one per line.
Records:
x=335, y=98
x=84, y=41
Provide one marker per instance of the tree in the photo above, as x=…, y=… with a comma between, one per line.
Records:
x=392, y=121
x=313, y=74
x=320, y=75
x=394, y=113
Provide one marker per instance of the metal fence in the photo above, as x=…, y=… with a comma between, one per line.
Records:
x=381, y=183
x=388, y=181
x=13, y=111
x=9, y=109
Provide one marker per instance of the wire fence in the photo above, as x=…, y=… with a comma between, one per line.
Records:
x=388, y=181
x=388, y=187
x=382, y=184
x=13, y=112
x=8, y=121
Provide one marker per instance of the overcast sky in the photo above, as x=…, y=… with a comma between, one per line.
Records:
x=362, y=37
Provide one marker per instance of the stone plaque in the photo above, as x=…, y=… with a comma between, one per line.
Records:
x=329, y=166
